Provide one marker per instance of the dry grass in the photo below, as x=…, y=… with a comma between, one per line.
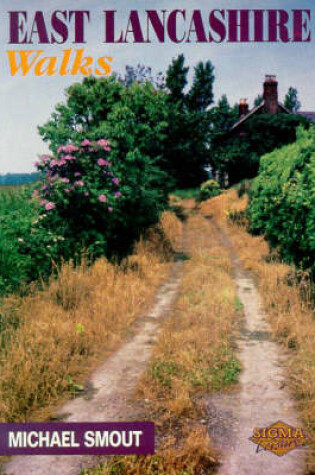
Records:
x=193, y=357
x=51, y=338
x=288, y=303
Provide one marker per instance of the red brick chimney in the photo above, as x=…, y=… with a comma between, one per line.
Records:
x=243, y=108
x=270, y=94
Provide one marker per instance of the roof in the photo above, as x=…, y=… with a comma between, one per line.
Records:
x=308, y=114
x=256, y=109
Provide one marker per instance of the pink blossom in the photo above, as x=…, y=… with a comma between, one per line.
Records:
x=86, y=143
x=107, y=148
x=53, y=163
x=103, y=143
x=70, y=148
x=86, y=193
x=35, y=194
x=101, y=162
x=43, y=202
x=77, y=174
x=110, y=209
x=116, y=181
x=62, y=162
x=37, y=164
x=118, y=194
x=67, y=191
x=50, y=206
x=102, y=198
x=44, y=187
x=65, y=180
x=45, y=158
x=60, y=149
x=69, y=157
x=79, y=183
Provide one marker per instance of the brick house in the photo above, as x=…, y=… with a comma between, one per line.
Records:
x=270, y=105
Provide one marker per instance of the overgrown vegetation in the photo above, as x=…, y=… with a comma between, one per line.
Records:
x=50, y=337
x=208, y=189
x=20, y=265
x=283, y=200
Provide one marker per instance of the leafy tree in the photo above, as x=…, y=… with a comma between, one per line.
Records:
x=87, y=106
x=291, y=101
x=176, y=80
x=223, y=115
x=200, y=96
x=182, y=149
x=189, y=122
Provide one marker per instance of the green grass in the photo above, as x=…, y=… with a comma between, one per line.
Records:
x=238, y=304
x=9, y=188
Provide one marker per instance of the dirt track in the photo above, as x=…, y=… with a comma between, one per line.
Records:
x=262, y=398
x=111, y=388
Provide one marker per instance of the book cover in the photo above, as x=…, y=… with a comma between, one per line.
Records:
x=157, y=237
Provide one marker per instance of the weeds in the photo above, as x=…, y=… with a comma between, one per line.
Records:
x=50, y=338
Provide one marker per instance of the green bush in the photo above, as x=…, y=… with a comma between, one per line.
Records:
x=209, y=189
x=26, y=249
x=282, y=200
x=134, y=120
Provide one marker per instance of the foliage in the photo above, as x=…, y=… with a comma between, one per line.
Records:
x=79, y=194
x=238, y=152
x=291, y=101
x=209, y=189
x=87, y=106
x=26, y=249
x=283, y=200
x=176, y=79
x=171, y=125
x=189, y=118
x=134, y=120
x=223, y=116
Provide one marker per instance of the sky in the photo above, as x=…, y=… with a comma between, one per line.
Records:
x=26, y=102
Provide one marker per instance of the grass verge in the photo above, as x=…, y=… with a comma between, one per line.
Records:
x=51, y=338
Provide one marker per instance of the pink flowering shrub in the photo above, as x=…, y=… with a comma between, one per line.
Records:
x=80, y=192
